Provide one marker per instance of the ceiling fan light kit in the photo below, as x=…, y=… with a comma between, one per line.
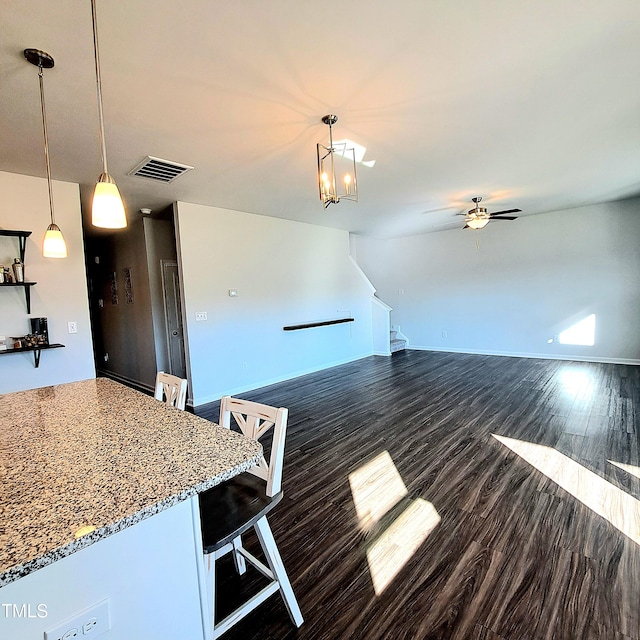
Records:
x=478, y=222
x=479, y=217
x=331, y=190
x=53, y=244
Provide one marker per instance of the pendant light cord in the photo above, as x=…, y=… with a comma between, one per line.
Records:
x=46, y=141
x=99, y=86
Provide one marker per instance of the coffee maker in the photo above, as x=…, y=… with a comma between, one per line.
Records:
x=39, y=328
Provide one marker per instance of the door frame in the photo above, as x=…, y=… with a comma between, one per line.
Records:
x=163, y=265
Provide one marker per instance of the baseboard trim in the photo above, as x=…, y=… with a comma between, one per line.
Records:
x=381, y=353
x=214, y=397
x=135, y=384
x=539, y=356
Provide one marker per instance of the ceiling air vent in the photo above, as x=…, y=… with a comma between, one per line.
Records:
x=159, y=169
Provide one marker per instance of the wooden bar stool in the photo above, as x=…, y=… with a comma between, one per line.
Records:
x=230, y=509
x=171, y=389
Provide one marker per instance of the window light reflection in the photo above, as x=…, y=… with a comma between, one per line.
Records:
x=618, y=507
x=582, y=332
x=358, y=149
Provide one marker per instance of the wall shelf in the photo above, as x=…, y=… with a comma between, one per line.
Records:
x=26, y=286
x=27, y=290
x=309, y=325
x=36, y=351
x=22, y=241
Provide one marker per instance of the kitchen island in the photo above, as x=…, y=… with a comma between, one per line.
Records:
x=98, y=498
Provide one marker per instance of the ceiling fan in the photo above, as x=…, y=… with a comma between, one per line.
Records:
x=479, y=217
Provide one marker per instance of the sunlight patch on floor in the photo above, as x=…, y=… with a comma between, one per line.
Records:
x=629, y=468
x=376, y=488
x=577, y=383
x=394, y=548
x=618, y=507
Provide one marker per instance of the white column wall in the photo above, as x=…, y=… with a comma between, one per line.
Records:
x=285, y=273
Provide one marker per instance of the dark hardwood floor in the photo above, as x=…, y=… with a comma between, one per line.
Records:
x=405, y=517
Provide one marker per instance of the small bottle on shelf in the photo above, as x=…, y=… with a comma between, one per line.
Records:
x=18, y=270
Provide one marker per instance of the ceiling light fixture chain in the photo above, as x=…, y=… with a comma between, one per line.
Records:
x=331, y=192
x=96, y=53
x=46, y=140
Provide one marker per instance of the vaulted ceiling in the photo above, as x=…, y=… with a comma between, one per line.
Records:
x=533, y=105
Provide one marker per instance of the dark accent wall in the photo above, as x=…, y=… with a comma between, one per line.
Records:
x=121, y=308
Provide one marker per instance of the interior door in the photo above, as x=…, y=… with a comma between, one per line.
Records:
x=173, y=316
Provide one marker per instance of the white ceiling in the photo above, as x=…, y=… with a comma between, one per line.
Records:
x=533, y=105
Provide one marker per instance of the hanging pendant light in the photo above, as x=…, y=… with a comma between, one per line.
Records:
x=107, y=209
x=332, y=191
x=53, y=245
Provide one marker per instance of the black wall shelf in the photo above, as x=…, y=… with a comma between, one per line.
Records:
x=22, y=240
x=323, y=323
x=36, y=351
x=27, y=290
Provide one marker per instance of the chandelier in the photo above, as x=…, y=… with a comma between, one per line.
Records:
x=330, y=159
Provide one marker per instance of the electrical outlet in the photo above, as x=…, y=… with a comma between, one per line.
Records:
x=73, y=327
x=89, y=626
x=90, y=623
x=201, y=315
x=445, y=334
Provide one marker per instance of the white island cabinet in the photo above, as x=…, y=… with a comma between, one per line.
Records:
x=98, y=502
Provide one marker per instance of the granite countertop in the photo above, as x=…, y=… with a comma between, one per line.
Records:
x=83, y=460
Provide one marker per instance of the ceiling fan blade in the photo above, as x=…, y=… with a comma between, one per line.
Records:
x=466, y=226
x=499, y=213
x=504, y=218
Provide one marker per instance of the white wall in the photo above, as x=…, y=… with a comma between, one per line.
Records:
x=285, y=273
x=61, y=292
x=522, y=283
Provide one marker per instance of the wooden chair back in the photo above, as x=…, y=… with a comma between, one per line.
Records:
x=171, y=389
x=255, y=420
